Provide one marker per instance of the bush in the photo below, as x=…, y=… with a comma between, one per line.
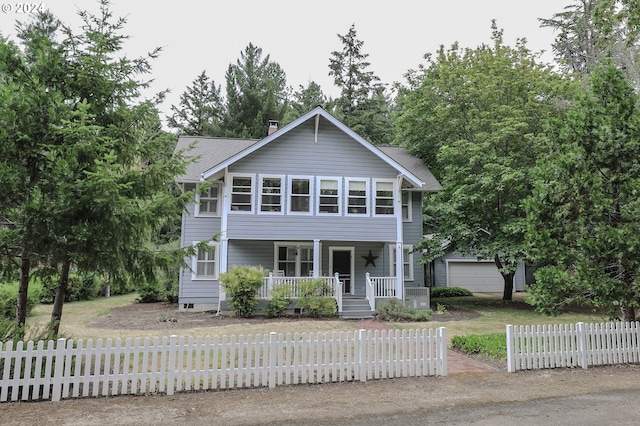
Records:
x=437, y=292
x=280, y=300
x=80, y=287
x=241, y=284
x=493, y=345
x=9, y=299
x=396, y=310
x=314, y=302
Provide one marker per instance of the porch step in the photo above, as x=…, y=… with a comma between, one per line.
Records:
x=356, y=308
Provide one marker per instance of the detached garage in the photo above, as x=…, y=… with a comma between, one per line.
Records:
x=479, y=276
x=476, y=276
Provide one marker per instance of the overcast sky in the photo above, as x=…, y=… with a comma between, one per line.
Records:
x=300, y=35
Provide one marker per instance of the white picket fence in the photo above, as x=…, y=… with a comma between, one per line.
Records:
x=70, y=369
x=572, y=345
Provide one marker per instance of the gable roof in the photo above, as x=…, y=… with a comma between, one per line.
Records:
x=216, y=154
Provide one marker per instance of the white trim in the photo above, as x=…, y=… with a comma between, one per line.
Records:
x=229, y=186
x=216, y=266
x=319, y=180
x=367, y=196
x=289, y=193
x=318, y=111
x=352, y=277
x=283, y=193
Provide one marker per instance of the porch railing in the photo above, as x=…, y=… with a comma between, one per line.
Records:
x=334, y=286
x=380, y=287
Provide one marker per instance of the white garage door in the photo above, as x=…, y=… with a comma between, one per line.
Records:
x=476, y=276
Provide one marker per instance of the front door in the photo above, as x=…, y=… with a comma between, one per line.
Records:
x=342, y=262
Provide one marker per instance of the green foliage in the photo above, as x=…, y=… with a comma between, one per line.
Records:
x=363, y=105
x=315, y=301
x=80, y=287
x=437, y=292
x=493, y=345
x=395, y=310
x=241, y=283
x=475, y=117
x=9, y=298
x=583, y=214
x=280, y=300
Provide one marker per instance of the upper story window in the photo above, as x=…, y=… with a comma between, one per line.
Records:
x=329, y=195
x=271, y=192
x=384, y=197
x=241, y=193
x=208, y=201
x=357, y=197
x=406, y=206
x=300, y=195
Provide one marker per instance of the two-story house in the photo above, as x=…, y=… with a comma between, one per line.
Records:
x=312, y=199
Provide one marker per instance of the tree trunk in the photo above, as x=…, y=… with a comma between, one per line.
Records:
x=508, y=286
x=61, y=292
x=628, y=313
x=23, y=288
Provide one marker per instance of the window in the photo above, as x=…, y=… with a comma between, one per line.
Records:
x=204, y=263
x=357, y=197
x=384, y=197
x=407, y=262
x=300, y=195
x=241, y=193
x=329, y=195
x=294, y=260
x=406, y=206
x=271, y=194
x=207, y=201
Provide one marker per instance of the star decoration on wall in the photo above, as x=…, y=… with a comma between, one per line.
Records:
x=371, y=259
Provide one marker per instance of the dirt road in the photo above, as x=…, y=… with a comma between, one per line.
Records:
x=430, y=399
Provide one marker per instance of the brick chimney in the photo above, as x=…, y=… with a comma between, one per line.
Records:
x=273, y=126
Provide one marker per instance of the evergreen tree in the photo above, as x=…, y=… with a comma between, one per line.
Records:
x=256, y=93
x=363, y=104
x=584, y=215
x=201, y=109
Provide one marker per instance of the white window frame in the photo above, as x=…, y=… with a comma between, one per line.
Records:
x=252, y=194
x=290, y=195
x=198, y=197
x=374, y=197
x=406, y=260
x=409, y=206
x=338, y=196
x=283, y=193
x=215, y=260
x=292, y=244
x=367, y=198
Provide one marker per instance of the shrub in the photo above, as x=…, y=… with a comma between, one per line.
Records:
x=314, y=300
x=9, y=299
x=241, y=284
x=493, y=345
x=449, y=292
x=80, y=287
x=396, y=310
x=280, y=299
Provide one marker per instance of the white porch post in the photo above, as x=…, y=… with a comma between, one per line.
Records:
x=316, y=258
x=224, y=250
x=399, y=240
x=224, y=241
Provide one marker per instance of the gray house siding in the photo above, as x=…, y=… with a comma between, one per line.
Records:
x=440, y=271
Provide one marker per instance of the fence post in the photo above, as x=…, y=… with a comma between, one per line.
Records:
x=362, y=354
x=582, y=345
x=58, y=371
x=273, y=365
x=442, y=351
x=511, y=358
x=171, y=368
